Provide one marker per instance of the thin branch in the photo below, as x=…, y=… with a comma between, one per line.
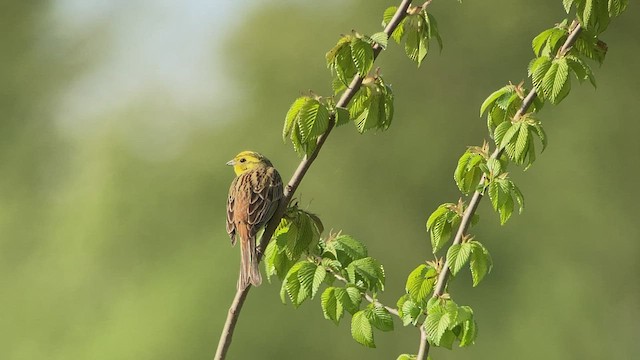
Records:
x=303, y=167
x=477, y=196
x=424, y=345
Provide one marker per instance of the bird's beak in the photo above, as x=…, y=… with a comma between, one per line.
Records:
x=231, y=162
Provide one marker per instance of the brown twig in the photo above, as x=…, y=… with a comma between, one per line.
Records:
x=477, y=196
x=303, y=167
x=424, y=345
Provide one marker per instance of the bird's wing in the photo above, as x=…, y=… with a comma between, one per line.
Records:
x=265, y=197
x=231, y=227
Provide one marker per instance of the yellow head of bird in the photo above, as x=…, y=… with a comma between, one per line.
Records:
x=248, y=160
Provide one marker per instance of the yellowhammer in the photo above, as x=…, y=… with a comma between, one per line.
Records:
x=254, y=196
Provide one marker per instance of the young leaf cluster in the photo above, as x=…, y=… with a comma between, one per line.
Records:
x=417, y=29
x=297, y=232
x=596, y=14
x=344, y=258
x=444, y=321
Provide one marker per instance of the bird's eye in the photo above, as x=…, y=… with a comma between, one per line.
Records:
x=243, y=160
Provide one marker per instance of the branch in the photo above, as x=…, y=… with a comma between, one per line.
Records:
x=354, y=86
x=477, y=196
x=424, y=345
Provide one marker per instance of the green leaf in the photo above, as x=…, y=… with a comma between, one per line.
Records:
x=560, y=81
x=381, y=38
x=331, y=308
x=540, y=41
x=360, y=102
x=539, y=130
x=407, y=357
x=581, y=69
x=318, y=277
x=379, y=317
x=436, y=323
x=409, y=311
x=362, y=56
x=469, y=333
x=306, y=275
x=306, y=119
x=500, y=132
x=509, y=134
x=388, y=15
x=292, y=115
x=522, y=144
x=480, y=263
x=567, y=5
x=349, y=297
x=346, y=246
x=420, y=283
x=617, y=7
x=440, y=224
x=361, y=330
x=458, y=255
x=538, y=69
x=369, y=271
x=432, y=26
x=292, y=285
x=490, y=101
x=342, y=116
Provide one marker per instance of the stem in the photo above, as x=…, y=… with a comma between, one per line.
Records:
x=303, y=167
x=424, y=344
x=443, y=277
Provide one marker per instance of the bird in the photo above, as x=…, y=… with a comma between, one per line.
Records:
x=254, y=196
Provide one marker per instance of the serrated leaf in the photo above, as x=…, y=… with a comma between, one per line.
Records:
x=515, y=191
x=509, y=134
x=420, y=283
x=361, y=330
x=480, y=263
x=350, y=298
x=379, y=317
x=381, y=39
x=318, y=278
x=567, y=5
x=458, y=255
x=349, y=246
x=432, y=26
x=436, y=323
x=321, y=122
x=522, y=144
x=541, y=134
x=540, y=41
x=292, y=114
x=539, y=69
x=490, y=101
x=359, y=103
x=368, y=270
x=500, y=131
x=560, y=80
x=410, y=312
x=331, y=308
x=469, y=333
x=388, y=15
x=362, y=56
x=306, y=275
x=306, y=119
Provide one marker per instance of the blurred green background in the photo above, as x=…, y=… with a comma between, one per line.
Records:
x=118, y=117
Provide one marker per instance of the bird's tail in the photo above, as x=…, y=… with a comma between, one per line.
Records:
x=249, y=270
